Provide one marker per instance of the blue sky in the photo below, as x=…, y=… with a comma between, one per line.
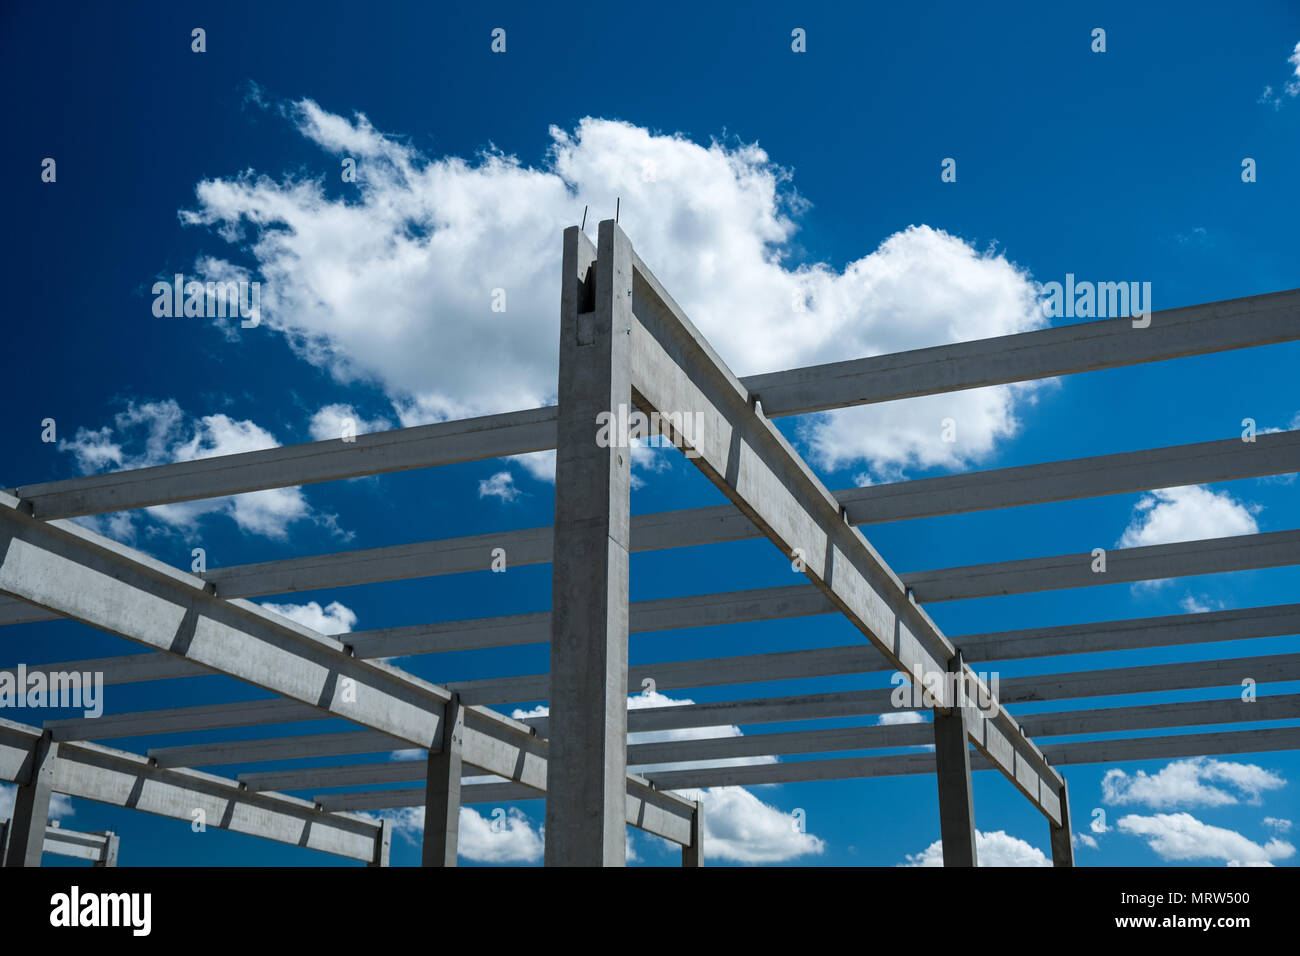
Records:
x=745, y=171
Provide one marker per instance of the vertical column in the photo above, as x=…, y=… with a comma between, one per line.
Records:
x=586, y=780
x=693, y=855
x=442, y=791
x=109, y=858
x=32, y=807
x=952, y=767
x=1062, y=846
x=383, y=844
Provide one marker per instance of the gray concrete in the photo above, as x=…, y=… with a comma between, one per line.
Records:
x=1062, y=838
x=1202, y=462
x=402, y=449
x=693, y=853
x=585, y=817
x=442, y=792
x=1062, y=350
x=952, y=773
x=383, y=844
x=674, y=370
x=25, y=834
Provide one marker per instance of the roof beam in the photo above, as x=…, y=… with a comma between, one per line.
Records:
x=84, y=576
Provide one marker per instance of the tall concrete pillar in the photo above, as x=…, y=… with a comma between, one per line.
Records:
x=442, y=791
x=1062, y=845
x=693, y=855
x=586, y=779
x=952, y=768
x=26, y=831
x=111, y=842
x=383, y=844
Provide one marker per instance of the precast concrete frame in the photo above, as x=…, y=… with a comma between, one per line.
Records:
x=624, y=343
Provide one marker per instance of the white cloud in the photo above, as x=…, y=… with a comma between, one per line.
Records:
x=737, y=825
x=498, y=839
x=501, y=485
x=991, y=849
x=1280, y=824
x=1190, y=513
x=1190, y=783
x=1180, y=836
x=742, y=828
x=901, y=717
x=334, y=618
x=1194, y=605
x=330, y=421
x=1293, y=87
x=1083, y=839
x=396, y=283
x=157, y=433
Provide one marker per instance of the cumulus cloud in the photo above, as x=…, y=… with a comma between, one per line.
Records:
x=1199, y=605
x=501, y=485
x=1191, y=513
x=396, y=282
x=158, y=433
x=740, y=827
x=1083, y=839
x=1180, y=836
x=737, y=825
x=1200, y=781
x=334, y=618
x=1280, y=824
x=335, y=421
x=991, y=849
x=511, y=838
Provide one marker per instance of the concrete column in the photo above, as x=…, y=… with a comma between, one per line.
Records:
x=442, y=791
x=32, y=807
x=693, y=855
x=111, y=841
x=383, y=844
x=4, y=841
x=1062, y=845
x=952, y=767
x=586, y=784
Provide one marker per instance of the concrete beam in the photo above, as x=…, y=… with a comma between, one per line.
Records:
x=97, y=581
x=693, y=853
x=100, y=848
x=423, y=446
x=675, y=371
x=1065, y=350
x=1154, y=562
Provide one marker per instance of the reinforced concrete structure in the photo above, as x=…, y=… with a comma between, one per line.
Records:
x=625, y=342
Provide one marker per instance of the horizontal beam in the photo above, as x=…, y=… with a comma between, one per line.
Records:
x=1151, y=563
x=735, y=607
x=1223, y=460
x=233, y=752
x=1101, y=751
x=1064, y=350
x=1104, y=751
x=1110, y=343
x=1152, y=678
x=102, y=774
x=89, y=578
x=76, y=844
x=422, y=446
x=829, y=740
